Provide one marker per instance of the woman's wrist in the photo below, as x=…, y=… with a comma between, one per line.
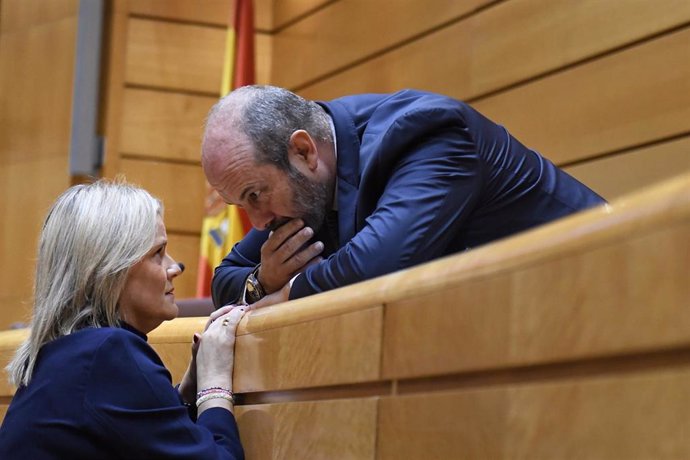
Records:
x=187, y=387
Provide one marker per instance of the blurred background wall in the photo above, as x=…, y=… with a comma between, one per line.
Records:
x=601, y=87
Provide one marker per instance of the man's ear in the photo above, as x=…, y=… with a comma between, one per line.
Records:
x=303, y=149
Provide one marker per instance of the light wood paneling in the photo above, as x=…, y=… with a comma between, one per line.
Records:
x=172, y=340
x=638, y=416
x=162, y=124
x=113, y=87
x=315, y=430
x=9, y=342
x=175, y=357
x=617, y=175
x=160, y=61
x=185, y=248
x=203, y=11
x=618, y=101
x=179, y=330
x=285, y=11
x=182, y=188
x=330, y=351
x=22, y=14
x=36, y=40
x=29, y=188
x=346, y=31
x=493, y=49
x=174, y=56
x=473, y=319
x=647, y=309
x=263, y=52
x=263, y=15
x=621, y=296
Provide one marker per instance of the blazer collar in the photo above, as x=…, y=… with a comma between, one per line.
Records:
x=348, y=169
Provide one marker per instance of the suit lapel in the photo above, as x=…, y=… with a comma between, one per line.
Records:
x=347, y=143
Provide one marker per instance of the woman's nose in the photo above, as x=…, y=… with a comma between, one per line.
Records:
x=175, y=269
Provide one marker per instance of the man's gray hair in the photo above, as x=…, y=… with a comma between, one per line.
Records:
x=92, y=236
x=268, y=116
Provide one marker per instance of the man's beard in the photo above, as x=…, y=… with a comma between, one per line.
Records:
x=310, y=200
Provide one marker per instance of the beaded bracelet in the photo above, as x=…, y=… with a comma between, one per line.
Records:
x=218, y=395
x=206, y=391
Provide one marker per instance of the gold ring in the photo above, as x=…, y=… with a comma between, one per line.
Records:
x=226, y=322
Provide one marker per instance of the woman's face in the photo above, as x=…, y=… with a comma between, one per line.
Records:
x=147, y=298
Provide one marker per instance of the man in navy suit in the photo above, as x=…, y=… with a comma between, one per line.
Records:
x=347, y=190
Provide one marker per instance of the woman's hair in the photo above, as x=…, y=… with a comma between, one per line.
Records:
x=91, y=237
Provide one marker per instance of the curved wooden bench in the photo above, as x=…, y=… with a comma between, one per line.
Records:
x=570, y=340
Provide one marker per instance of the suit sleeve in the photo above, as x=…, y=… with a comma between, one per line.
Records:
x=134, y=405
x=229, y=277
x=431, y=191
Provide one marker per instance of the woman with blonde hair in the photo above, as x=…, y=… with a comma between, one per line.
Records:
x=89, y=385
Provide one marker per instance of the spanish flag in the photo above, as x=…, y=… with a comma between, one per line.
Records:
x=225, y=225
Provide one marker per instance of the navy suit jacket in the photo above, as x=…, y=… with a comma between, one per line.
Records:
x=103, y=393
x=420, y=176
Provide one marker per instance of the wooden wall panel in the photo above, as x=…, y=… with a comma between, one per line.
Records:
x=494, y=49
x=28, y=188
x=330, y=351
x=174, y=56
x=617, y=175
x=172, y=340
x=112, y=91
x=37, y=40
x=263, y=16
x=201, y=11
x=181, y=187
x=263, y=53
x=185, y=248
x=638, y=416
x=19, y=15
x=619, y=101
x=162, y=124
x=470, y=319
x=343, y=429
x=345, y=31
x=285, y=11
x=9, y=342
x=515, y=320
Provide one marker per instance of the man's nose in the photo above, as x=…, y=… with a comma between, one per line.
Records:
x=260, y=219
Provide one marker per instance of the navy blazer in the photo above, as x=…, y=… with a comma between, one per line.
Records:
x=103, y=393
x=420, y=176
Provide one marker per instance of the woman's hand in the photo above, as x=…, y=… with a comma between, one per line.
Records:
x=187, y=387
x=215, y=354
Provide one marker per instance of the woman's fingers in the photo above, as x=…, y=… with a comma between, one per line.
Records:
x=217, y=314
x=231, y=319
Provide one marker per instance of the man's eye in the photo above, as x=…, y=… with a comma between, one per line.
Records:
x=254, y=196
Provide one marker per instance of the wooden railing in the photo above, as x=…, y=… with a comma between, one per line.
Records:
x=571, y=340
